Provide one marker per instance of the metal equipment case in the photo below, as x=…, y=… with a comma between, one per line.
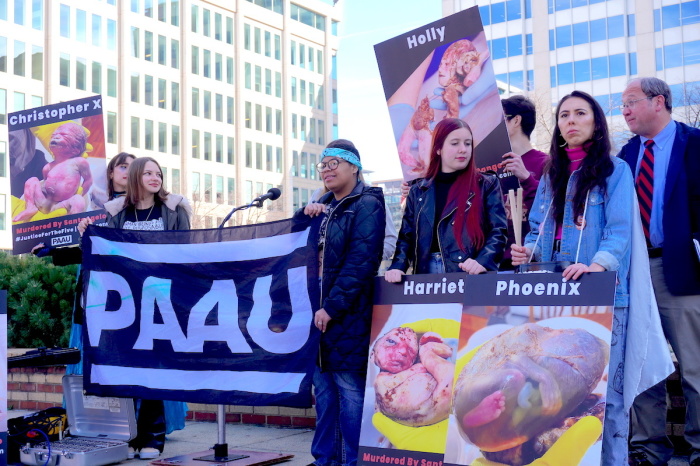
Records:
x=99, y=431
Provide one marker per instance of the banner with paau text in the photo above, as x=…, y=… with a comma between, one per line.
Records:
x=210, y=316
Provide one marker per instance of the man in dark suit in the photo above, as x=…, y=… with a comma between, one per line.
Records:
x=665, y=159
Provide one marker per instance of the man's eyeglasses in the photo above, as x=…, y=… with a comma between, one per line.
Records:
x=630, y=103
x=331, y=164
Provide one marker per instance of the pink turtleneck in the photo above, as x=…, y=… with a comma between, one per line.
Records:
x=576, y=156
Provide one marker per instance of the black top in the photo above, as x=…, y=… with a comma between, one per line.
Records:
x=443, y=183
x=139, y=216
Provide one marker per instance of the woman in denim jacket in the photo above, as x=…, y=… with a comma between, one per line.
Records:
x=583, y=213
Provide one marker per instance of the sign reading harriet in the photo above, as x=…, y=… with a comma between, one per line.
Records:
x=209, y=316
x=57, y=171
x=443, y=70
x=488, y=369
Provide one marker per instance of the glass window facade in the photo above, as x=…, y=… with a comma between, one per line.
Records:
x=175, y=53
x=96, y=30
x=20, y=13
x=20, y=53
x=37, y=62
x=675, y=55
x=273, y=5
x=38, y=15
x=64, y=21
x=111, y=81
x=308, y=17
x=593, y=31
x=81, y=25
x=591, y=69
x=64, y=69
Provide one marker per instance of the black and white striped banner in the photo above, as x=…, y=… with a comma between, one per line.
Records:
x=211, y=316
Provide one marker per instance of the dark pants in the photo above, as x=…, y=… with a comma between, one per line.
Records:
x=150, y=425
x=680, y=319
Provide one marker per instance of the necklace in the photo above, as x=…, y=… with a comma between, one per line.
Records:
x=578, y=160
x=136, y=213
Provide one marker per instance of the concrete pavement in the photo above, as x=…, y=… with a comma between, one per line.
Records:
x=201, y=436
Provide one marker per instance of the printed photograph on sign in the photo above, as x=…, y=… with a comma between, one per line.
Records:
x=530, y=383
x=449, y=74
x=57, y=172
x=409, y=377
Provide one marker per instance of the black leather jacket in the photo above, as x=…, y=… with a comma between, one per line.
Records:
x=352, y=253
x=416, y=236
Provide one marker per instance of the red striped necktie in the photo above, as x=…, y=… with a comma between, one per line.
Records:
x=645, y=186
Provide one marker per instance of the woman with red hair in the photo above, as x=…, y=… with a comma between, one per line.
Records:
x=454, y=218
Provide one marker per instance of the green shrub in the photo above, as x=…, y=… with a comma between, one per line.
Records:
x=39, y=300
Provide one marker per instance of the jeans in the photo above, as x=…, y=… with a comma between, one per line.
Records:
x=436, y=265
x=339, y=398
x=616, y=427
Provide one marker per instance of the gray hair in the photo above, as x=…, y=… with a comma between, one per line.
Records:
x=652, y=87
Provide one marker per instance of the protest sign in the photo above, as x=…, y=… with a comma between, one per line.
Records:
x=528, y=359
x=210, y=316
x=443, y=70
x=57, y=171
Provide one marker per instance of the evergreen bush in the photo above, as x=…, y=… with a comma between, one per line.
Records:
x=39, y=300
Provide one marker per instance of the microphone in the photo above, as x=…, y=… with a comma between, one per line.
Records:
x=272, y=194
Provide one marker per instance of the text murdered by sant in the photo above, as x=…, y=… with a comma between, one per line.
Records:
x=382, y=456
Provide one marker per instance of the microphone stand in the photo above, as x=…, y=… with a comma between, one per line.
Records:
x=221, y=447
x=255, y=203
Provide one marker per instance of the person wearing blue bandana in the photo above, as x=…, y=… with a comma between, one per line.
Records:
x=349, y=223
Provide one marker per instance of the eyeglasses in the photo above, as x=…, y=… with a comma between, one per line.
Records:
x=630, y=103
x=331, y=164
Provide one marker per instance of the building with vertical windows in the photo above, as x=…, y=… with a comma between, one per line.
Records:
x=392, y=199
x=549, y=48
x=232, y=97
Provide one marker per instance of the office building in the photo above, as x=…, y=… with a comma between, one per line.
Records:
x=392, y=199
x=232, y=97
x=548, y=48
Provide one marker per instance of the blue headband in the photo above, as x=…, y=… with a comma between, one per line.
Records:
x=343, y=154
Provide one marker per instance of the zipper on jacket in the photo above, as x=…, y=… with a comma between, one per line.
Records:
x=415, y=243
x=323, y=266
x=323, y=263
x=437, y=229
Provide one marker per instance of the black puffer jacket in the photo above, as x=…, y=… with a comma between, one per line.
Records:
x=352, y=253
x=417, y=226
